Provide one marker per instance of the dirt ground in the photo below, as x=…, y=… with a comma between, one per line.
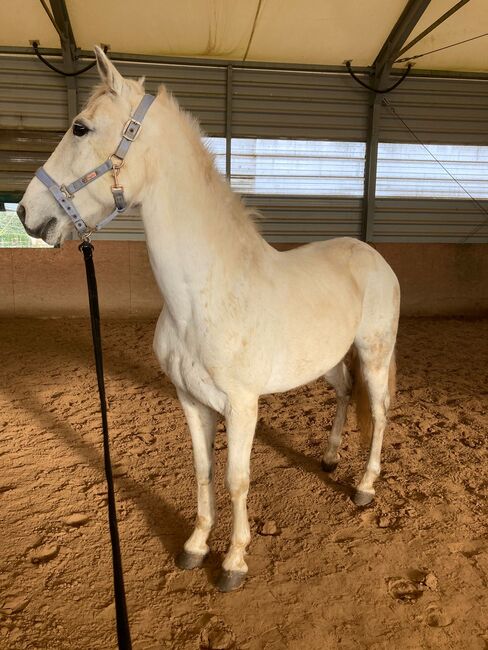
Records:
x=409, y=572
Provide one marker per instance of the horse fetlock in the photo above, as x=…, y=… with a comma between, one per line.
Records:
x=196, y=544
x=234, y=560
x=328, y=464
x=365, y=492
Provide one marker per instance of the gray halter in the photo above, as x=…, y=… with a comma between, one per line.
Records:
x=64, y=193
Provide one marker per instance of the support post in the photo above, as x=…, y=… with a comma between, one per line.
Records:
x=370, y=167
x=71, y=86
x=228, y=123
x=381, y=72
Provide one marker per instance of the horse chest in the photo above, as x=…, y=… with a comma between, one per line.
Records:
x=180, y=361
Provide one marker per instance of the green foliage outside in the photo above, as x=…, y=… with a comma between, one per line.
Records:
x=12, y=233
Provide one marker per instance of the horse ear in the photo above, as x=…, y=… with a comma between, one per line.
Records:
x=141, y=81
x=108, y=73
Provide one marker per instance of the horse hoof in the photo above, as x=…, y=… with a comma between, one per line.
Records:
x=188, y=561
x=362, y=499
x=231, y=580
x=329, y=467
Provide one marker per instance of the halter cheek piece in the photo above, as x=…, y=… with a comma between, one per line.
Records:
x=65, y=193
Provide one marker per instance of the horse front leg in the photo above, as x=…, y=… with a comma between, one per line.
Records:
x=202, y=422
x=241, y=424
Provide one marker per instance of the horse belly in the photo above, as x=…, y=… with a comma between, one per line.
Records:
x=313, y=337
x=292, y=370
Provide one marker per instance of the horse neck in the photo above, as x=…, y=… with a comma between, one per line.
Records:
x=196, y=227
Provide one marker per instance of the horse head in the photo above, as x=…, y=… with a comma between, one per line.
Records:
x=92, y=139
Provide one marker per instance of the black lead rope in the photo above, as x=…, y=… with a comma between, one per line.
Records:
x=123, y=631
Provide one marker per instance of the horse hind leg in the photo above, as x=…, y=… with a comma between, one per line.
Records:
x=377, y=369
x=340, y=379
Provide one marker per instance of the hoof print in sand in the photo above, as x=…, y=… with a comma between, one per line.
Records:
x=44, y=554
x=268, y=528
x=76, y=520
x=435, y=617
x=216, y=635
x=404, y=589
x=13, y=604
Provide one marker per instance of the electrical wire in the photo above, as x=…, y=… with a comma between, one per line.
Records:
x=380, y=91
x=388, y=104
x=258, y=11
x=35, y=47
x=439, y=49
x=435, y=24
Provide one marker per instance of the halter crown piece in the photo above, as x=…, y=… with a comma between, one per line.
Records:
x=65, y=193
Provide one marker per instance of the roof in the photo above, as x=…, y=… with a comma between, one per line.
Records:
x=325, y=32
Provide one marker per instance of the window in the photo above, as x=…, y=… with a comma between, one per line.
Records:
x=217, y=147
x=12, y=233
x=409, y=170
x=303, y=167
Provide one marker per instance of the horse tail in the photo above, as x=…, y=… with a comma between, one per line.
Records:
x=361, y=399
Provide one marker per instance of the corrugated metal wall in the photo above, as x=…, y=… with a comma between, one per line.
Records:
x=31, y=95
x=430, y=220
x=22, y=151
x=306, y=218
x=268, y=104
x=199, y=89
x=290, y=104
x=438, y=111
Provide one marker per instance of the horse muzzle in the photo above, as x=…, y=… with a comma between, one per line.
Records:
x=42, y=231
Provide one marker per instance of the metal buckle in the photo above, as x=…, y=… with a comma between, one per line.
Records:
x=128, y=124
x=119, y=198
x=67, y=194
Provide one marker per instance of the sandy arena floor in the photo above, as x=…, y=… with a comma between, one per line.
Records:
x=410, y=572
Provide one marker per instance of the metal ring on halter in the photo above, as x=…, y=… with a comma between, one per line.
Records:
x=117, y=165
x=86, y=236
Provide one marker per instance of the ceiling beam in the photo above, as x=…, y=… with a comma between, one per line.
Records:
x=381, y=71
x=431, y=28
x=68, y=45
x=397, y=37
x=62, y=19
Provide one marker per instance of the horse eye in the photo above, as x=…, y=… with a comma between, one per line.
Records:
x=80, y=129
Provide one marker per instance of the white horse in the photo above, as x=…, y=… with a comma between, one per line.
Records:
x=240, y=319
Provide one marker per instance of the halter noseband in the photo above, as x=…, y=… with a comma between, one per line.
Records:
x=65, y=193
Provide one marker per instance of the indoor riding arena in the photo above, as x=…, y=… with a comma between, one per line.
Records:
x=232, y=516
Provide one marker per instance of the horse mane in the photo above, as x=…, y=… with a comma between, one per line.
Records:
x=245, y=216
x=241, y=216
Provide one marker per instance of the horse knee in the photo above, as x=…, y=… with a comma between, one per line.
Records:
x=204, y=476
x=237, y=486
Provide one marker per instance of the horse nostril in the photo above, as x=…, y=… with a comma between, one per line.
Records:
x=21, y=212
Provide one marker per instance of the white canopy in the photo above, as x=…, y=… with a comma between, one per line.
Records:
x=325, y=32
